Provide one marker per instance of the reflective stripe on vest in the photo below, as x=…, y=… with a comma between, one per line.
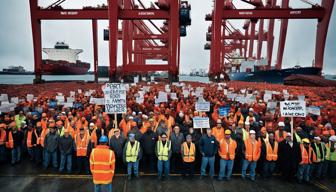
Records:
x=306, y=157
x=132, y=152
x=163, y=151
x=188, y=153
x=101, y=169
x=10, y=143
x=29, y=139
x=81, y=145
x=271, y=154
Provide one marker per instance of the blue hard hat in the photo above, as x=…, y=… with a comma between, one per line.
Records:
x=103, y=139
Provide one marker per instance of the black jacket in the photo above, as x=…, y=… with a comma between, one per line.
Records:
x=208, y=146
x=149, y=141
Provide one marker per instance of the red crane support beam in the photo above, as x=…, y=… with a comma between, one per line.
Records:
x=282, y=37
x=315, y=13
x=150, y=36
x=102, y=14
x=252, y=34
x=270, y=38
x=260, y=38
x=113, y=37
x=132, y=68
x=95, y=49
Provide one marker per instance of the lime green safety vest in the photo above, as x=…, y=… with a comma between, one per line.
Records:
x=318, y=152
x=298, y=138
x=163, y=151
x=132, y=152
x=331, y=156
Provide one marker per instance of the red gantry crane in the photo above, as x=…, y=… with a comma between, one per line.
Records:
x=139, y=42
x=221, y=31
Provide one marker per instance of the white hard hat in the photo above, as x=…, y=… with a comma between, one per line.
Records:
x=252, y=132
x=332, y=138
x=317, y=138
x=91, y=124
x=281, y=124
x=251, y=109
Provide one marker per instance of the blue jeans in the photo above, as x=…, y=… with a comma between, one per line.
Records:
x=31, y=152
x=103, y=188
x=303, y=172
x=268, y=168
x=68, y=159
x=252, y=164
x=16, y=154
x=135, y=166
x=205, y=161
x=160, y=165
x=53, y=156
x=223, y=165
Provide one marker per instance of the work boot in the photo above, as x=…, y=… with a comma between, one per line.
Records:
x=129, y=177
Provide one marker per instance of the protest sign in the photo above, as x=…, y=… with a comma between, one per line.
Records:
x=293, y=108
x=314, y=110
x=201, y=122
x=223, y=111
x=115, y=98
x=202, y=106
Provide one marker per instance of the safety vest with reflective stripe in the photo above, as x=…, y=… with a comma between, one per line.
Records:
x=227, y=152
x=331, y=156
x=81, y=145
x=43, y=135
x=102, y=164
x=320, y=156
x=163, y=151
x=252, y=151
x=271, y=153
x=10, y=142
x=29, y=139
x=132, y=151
x=306, y=156
x=188, y=154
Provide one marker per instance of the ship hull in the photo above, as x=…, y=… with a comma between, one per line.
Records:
x=51, y=67
x=273, y=76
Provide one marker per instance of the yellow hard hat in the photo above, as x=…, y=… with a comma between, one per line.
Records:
x=305, y=140
x=227, y=132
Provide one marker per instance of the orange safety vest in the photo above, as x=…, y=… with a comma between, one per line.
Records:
x=81, y=145
x=218, y=134
x=271, y=154
x=231, y=152
x=188, y=153
x=10, y=143
x=102, y=164
x=252, y=152
x=42, y=137
x=306, y=156
x=29, y=139
x=3, y=137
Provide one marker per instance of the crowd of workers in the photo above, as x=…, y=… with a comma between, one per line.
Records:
x=161, y=138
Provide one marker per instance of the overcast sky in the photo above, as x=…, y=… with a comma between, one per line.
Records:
x=17, y=46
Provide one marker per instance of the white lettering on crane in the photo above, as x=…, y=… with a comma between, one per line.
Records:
x=69, y=12
x=146, y=13
x=295, y=12
x=245, y=13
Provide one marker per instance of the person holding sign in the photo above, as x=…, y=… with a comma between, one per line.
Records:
x=163, y=153
x=227, y=148
x=271, y=155
x=188, y=151
x=252, y=150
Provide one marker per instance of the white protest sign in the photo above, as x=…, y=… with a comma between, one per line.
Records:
x=293, y=108
x=15, y=100
x=70, y=99
x=314, y=110
x=139, y=100
x=58, y=93
x=185, y=93
x=60, y=98
x=72, y=94
x=202, y=106
x=79, y=91
x=87, y=93
x=115, y=98
x=30, y=97
x=267, y=97
x=152, y=78
x=271, y=105
x=201, y=122
x=225, y=91
x=136, y=79
x=162, y=97
x=99, y=101
x=68, y=105
x=3, y=97
x=173, y=96
x=301, y=97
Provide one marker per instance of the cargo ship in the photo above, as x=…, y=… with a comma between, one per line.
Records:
x=254, y=71
x=15, y=70
x=63, y=60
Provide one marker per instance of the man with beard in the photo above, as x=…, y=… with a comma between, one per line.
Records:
x=289, y=158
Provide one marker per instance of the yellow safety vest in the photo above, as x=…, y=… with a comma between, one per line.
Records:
x=163, y=150
x=132, y=152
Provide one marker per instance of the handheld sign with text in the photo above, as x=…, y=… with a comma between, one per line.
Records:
x=223, y=111
x=201, y=122
x=293, y=108
x=202, y=106
x=115, y=98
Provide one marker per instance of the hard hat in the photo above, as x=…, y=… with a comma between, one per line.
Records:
x=252, y=132
x=219, y=121
x=332, y=138
x=66, y=130
x=281, y=124
x=305, y=140
x=91, y=124
x=103, y=139
x=228, y=132
x=317, y=138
